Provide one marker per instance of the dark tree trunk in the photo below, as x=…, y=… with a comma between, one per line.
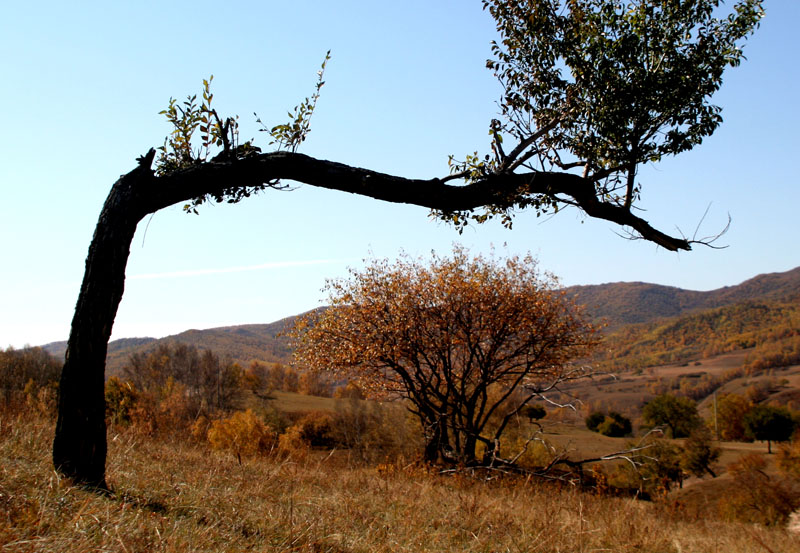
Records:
x=79, y=446
x=438, y=442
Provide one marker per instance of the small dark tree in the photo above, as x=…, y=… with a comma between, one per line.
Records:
x=592, y=90
x=534, y=412
x=594, y=420
x=677, y=414
x=700, y=453
x=615, y=425
x=770, y=424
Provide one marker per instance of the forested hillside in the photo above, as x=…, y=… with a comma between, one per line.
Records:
x=648, y=325
x=770, y=329
x=623, y=303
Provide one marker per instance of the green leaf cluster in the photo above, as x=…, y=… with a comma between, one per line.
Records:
x=288, y=136
x=602, y=86
x=179, y=149
x=677, y=414
x=219, y=138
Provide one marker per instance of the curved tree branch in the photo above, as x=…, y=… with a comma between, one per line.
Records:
x=214, y=177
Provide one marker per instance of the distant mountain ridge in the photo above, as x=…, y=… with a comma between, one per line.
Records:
x=620, y=304
x=623, y=303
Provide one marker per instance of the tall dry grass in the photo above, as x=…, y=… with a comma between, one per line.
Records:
x=178, y=496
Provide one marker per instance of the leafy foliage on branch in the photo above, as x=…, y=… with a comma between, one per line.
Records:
x=603, y=86
x=219, y=138
x=677, y=414
x=770, y=423
x=289, y=136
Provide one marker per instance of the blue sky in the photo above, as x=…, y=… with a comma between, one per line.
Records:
x=82, y=84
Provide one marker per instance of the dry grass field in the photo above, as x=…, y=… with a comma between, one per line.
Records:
x=174, y=495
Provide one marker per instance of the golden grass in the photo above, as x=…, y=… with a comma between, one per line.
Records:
x=170, y=495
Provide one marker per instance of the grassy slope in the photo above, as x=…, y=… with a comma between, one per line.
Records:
x=172, y=496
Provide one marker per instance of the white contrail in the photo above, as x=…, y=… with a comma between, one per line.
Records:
x=200, y=272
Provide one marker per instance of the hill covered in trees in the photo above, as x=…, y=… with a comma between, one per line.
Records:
x=624, y=303
x=648, y=324
x=770, y=330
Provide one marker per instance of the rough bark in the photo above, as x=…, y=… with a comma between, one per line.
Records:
x=79, y=447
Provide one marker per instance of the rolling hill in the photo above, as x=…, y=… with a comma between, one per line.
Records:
x=643, y=319
x=623, y=303
x=241, y=343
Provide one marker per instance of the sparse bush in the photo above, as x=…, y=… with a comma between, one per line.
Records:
x=700, y=453
x=316, y=429
x=121, y=397
x=314, y=383
x=658, y=468
x=243, y=434
x=42, y=399
x=254, y=377
x=788, y=458
x=208, y=382
x=351, y=391
x=200, y=428
x=292, y=443
x=756, y=496
x=24, y=371
x=368, y=428
x=169, y=410
x=615, y=425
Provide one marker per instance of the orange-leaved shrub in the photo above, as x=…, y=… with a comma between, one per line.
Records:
x=788, y=458
x=167, y=410
x=121, y=398
x=757, y=496
x=243, y=434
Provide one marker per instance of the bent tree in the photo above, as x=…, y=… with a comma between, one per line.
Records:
x=592, y=89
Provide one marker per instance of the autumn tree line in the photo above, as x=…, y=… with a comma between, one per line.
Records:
x=178, y=390
x=768, y=330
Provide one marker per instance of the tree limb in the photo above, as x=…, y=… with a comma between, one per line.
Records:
x=498, y=189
